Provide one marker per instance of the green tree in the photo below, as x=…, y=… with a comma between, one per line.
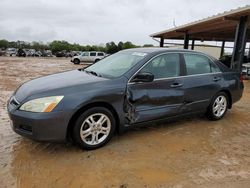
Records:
x=128, y=45
x=148, y=45
x=57, y=46
x=120, y=46
x=111, y=48
x=4, y=44
x=39, y=46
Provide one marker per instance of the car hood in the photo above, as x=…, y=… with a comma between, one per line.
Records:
x=55, y=81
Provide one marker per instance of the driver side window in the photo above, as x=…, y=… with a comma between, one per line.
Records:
x=85, y=54
x=164, y=66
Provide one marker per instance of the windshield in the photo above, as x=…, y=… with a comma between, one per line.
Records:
x=116, y=65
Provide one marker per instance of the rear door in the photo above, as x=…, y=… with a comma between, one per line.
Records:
x=160, y=98
x=202, y=81
x=92, y=56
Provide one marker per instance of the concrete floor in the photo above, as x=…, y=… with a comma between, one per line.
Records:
x=193, y=152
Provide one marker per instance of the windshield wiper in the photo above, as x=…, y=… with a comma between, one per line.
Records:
x=93, y=73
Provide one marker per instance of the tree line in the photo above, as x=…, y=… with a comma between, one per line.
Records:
x=60, y=45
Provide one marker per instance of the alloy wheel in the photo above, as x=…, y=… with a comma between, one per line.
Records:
x=219, y=106
x=95, y=129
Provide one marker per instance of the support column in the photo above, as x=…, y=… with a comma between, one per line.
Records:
x=222, y=48
x=192, y=47
x=162, y=42
x=239, y=43
x=186, y=41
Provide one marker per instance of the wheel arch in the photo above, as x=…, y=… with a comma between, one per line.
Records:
x=77, y=58
x=229, y=97
x=97, y=59
x=86, y=107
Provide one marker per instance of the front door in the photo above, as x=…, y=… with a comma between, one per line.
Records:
x=160, y=98
x=85, y=56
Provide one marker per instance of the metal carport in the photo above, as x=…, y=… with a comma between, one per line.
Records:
x=230, y=26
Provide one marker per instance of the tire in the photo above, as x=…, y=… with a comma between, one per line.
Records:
x=76, y=61
x=218, y=106
x=97, y=60
x=88, y=134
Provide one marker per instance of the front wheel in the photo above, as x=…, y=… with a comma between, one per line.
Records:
x=94, y=128
x=76, y=61
x=218, y=107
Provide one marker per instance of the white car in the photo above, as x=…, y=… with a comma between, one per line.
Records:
x=11, y=51
x=88, y=57
x=246, y=70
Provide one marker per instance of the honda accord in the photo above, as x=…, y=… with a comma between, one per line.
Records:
x=126, y=89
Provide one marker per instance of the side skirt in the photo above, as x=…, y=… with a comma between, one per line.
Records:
x=161, y=121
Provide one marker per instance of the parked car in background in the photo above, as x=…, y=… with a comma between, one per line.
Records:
x=226, y=60
x=91, y=57
x=68, y=54
x=75, y=53
x=63, y=53
x=246, y=70
x=21, y=53
x=37, y=54
x=11, y=51
x=60, y=54
x=2, y=52
x=47, y=53
x=126, y=89
x=30, y=52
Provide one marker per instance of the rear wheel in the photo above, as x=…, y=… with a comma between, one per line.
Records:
x=76, y=61
x=94, y=128
x=97, y=60
x=218, y=107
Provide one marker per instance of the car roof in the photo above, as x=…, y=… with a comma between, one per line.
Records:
x=158, y=49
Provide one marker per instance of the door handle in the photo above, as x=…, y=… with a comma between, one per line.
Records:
x=216, y=79
x=174, y=85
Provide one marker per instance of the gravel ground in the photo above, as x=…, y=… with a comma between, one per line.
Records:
x=192, y=152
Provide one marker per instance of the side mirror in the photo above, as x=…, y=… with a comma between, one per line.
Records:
x=143, y=77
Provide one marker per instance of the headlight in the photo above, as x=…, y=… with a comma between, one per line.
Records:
x=45, y=104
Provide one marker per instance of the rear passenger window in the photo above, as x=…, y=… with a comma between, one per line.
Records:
x=92, y=54
x=197, y=64
x=164, y=66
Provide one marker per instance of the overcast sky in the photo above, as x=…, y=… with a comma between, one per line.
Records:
x=101, y=21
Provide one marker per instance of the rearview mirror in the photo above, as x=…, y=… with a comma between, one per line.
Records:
x=143, y=77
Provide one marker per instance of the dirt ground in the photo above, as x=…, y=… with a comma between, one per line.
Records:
x=192, y=152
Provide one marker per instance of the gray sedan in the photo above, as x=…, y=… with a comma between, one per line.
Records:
x=127, y=89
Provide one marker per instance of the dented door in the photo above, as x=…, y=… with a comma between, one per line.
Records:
x=149, y=101
x=160, y=98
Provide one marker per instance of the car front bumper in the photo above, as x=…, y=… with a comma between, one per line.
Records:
x=51, y=127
